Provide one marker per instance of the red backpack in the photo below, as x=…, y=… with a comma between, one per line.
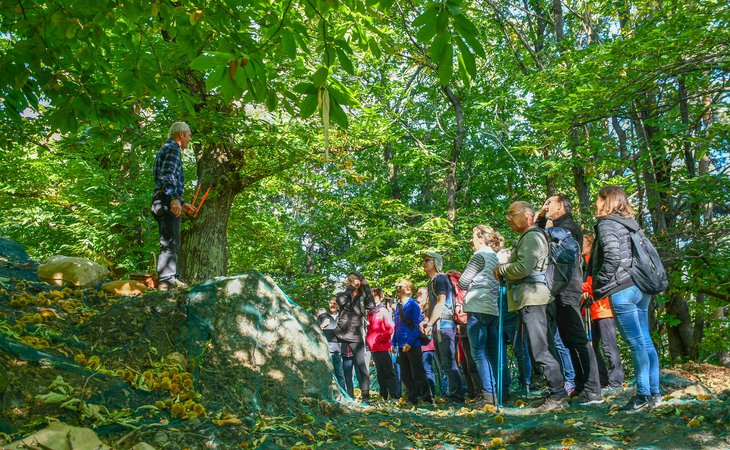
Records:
x=458, y=297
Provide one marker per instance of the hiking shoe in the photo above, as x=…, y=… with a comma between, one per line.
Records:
x=637, y=403
x=551, y=405
x=586, y=398
x=485, y=400
x=657, y=400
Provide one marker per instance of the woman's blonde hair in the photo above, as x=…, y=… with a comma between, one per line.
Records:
x=615, y=202
x=491, y=237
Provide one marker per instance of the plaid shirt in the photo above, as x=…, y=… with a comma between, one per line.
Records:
x=168, y=170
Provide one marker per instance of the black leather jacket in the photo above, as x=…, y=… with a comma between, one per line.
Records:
x=351, y=321
x=611, y=253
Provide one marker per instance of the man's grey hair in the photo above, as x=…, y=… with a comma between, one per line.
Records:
x=565, y=200
x=178, y=127
x=524, y=206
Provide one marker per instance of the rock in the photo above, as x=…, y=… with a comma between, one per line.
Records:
x=124, y=288
x=694, y=390
x=60, y=270
x=143, y=446
x=60, y=436
x=268, y=351
x=160, y=438
x=12, y=251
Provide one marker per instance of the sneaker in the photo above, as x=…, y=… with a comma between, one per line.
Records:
x=172, y=284
x=637, y=403
x=586, y=398
x=657, y=400
x=551, y=405
x=569, y=388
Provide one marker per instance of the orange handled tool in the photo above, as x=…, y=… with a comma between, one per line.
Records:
x=202, y=200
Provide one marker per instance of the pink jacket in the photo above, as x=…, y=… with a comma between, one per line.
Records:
x=380, y=329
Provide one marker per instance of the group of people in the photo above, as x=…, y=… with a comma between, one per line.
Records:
x=556, y=336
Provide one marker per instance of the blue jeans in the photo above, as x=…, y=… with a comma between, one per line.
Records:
x=565, y=362
x=631, y=312
x=483, y=331
x=429, y=364
x=336, y=358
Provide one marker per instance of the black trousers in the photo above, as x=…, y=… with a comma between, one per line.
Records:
x=362, y=373
x=537, y=325
x=386, y=375
x=413, y=375
x=573, y=334
x=604, y=336
x=169, y=226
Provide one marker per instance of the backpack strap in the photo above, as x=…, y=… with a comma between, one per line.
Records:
x=403, y=318
x=535, y=276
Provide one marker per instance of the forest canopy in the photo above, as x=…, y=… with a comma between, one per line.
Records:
x=345, y=135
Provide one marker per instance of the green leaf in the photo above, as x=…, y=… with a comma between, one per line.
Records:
x=345, y=62
x=469, y=33
x=439, y=46
x=205, y=62
x=374, y=48
x=320, y=76
x=467, y=58
x=337, y=114
x=342, y=95
x=215, y=79
x=442, y=21
x=446, y=65
x=308, y=106
x=288, y=44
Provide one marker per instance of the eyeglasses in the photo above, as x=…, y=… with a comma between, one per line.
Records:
x=510, y=215
x=399, y=286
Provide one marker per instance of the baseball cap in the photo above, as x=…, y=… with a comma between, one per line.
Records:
x=438, y=260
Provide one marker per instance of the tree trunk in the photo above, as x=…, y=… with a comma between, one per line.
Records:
x=204, y=252
x=680, y=335
x=579, y=175
x=458, y=142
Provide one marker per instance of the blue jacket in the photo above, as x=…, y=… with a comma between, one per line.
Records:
x=403, y=333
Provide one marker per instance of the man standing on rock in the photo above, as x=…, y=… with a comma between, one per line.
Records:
x=168, y=204
x=558, y=210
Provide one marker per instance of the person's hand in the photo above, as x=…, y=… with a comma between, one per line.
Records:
x=325, y=323
x=365, y=282
x=495, y=272
x=190, y=209
x=406, y=348
x=585, y=296
x=426, y=328
x=393, y=349
x=175, y=208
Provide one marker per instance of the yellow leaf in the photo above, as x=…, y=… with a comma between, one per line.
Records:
x=498, y=419
x=496, y=442
x=704, y=397
x=567, y=442
x=694, y=423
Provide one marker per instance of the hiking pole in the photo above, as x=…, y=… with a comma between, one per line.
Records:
x=500, y=350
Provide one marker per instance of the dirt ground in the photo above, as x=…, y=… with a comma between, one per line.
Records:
x=134, y=391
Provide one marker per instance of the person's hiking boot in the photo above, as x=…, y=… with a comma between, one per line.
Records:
x=169, y=285
x=485, y=400
x=637, y=403
x=657, y=400
x=552, y=405
x=586, y=398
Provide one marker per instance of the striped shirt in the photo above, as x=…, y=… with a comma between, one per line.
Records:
x=168, y=170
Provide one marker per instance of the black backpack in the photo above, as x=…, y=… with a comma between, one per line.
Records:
x=647, y=270
x=563, y=259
